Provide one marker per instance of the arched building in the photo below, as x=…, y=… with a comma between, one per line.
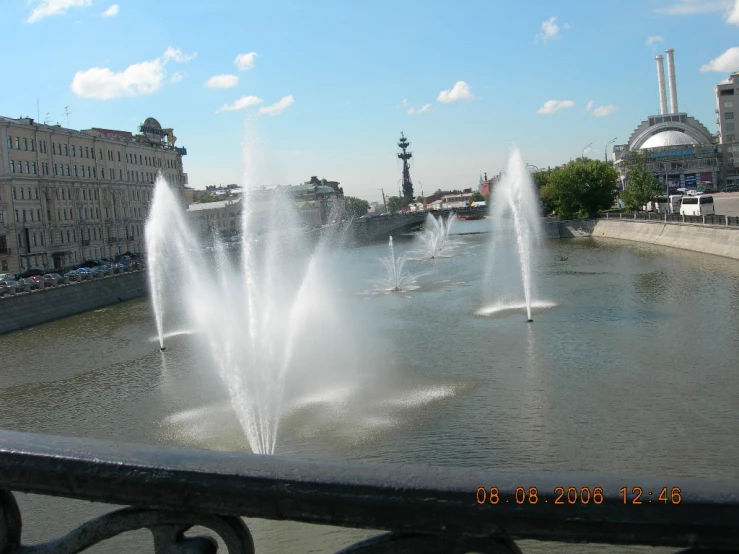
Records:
x=680, y=150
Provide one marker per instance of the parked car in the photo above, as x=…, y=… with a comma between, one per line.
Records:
x=703, y=205
x=24, y=285
x=8, y=287
x=72, y=276
x=38, y=281
x=54, y=279
x=7, y=277
x=84, y=273
x=730, y=188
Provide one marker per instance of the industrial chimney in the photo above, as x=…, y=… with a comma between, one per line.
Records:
x=671, y=80
x=661, y=83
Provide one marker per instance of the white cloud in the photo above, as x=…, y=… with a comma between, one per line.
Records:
x=553, y=106
x=279, y=106
x=244, y=62
x=460, y=91
x=176, y=55
x=137, y=79
x=727, y=62
x=690, y=7
x=240, y=104
x=590, y=105
x=604, y=111
x=55, y=7
x=654, y=39
x=425, y=109
x=732, y=14
x=222, y=81
x=550, y=30
x=103, y=84
x=112, y=11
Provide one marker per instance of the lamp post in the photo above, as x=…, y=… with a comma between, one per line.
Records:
x=383, y=199
x=532, y=165
x=605, y=150
x=583, y=150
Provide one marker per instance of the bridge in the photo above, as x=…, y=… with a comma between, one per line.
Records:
x=380, y=227
x=420, y=509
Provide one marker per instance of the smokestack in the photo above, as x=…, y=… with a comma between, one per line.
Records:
x=671, y=80
x=661, y=83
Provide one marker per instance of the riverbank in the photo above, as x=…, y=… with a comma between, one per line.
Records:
x=26, y=310
x=708, y=239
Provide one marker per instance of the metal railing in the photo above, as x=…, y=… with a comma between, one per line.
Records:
x=715, y=220
x=422, y=509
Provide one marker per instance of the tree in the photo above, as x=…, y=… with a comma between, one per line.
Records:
x=477, y=197
x=206, y=197
x=395, y=203
x=541, y=179
x=642, y=186
x=420, y=199
x=355, y=207
x=581, y=188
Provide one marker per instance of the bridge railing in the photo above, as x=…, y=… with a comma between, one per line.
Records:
x=420, y=508
x=714, y=220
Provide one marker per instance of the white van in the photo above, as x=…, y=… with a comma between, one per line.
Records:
x=674, y=203
x=659, y=205
x=697, y=205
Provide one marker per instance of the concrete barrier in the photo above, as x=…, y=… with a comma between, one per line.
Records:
x=717, y=240
x=26, y=310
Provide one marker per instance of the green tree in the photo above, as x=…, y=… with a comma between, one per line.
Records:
x=581, y=188
x=355, y=207
x=641, y=185
x=395, y=203
x=206, y=197
x=477, y=197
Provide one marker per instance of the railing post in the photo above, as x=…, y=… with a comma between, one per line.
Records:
x=683, y=218
x=634, y=215
x=704, y=220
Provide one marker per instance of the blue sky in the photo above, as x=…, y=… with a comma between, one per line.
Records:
x=325, y=87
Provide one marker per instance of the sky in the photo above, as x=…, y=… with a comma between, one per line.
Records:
x=273, y=92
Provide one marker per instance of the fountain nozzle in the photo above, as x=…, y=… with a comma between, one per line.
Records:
x=162, y=349
x=529, y=321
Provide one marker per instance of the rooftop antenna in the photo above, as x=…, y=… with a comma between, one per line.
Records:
x=46, y=121
x=67, y=112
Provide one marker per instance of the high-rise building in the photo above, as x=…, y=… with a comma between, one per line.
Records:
x=67, y=196
x=727, y=95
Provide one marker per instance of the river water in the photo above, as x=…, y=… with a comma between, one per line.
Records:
x=632, y=370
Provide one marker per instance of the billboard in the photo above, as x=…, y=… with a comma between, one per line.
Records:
x=690, y=180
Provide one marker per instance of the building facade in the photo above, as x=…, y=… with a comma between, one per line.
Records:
x=67, y=196
x=680, y=151
x=727, y=94
x=215, y=218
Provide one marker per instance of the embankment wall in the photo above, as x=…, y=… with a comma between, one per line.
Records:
x=718, y=240
x=26, y=310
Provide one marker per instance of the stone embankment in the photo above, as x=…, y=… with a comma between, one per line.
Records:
x=26, y=310
x=710, y=239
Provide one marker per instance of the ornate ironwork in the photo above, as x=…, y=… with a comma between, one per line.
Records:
x=424, y=509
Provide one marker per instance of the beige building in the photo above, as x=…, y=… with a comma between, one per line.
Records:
x=222, y=218
x=67, y=196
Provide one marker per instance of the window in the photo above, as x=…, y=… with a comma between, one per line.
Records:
x=74, y=170
x=729, y=115
x=16, y=216
x=15, y=196
x=730, y=138
x=17, y=143
x=68, y=169
x=100, y=153
x=120, y=175
x=74, y=152
x=38, y=214
x=33, y=147
x=22, y=197
x=727, y=92
x=53, y=148
x=36, y=191
x=28, y=168
x=119, y=156
x=102, y=173
x=12, y=166
x=58, y=214
x=25, y=144
x=55, y=170
x=87, y=152
x=33, y=167
x=88, y=171
x=729, y=126
x=66, y=150
x=84, y=195
x=10, y=142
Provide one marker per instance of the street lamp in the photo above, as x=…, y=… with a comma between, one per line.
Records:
x=605, y=150
x=532, y=165
x=583, y=150
x=383, y=199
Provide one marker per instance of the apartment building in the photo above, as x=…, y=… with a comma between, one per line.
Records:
x=727, y=94
x=67, y=196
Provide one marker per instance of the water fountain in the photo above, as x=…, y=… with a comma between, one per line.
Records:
x=435, y=235
x=515, y=218
x=262, y=312
x=397, y=278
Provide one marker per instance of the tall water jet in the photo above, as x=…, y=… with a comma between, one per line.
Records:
x=515, y=217
x=435, y=235
x=263, y=312
x=397, y=279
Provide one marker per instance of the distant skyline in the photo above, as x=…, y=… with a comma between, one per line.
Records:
x=274, y=92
